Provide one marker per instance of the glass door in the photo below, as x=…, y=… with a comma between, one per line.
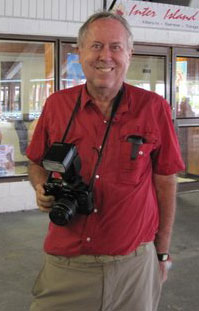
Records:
x=186, y=103
x=149, y=69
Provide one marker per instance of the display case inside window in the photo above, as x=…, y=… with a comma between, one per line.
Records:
x=26, y=80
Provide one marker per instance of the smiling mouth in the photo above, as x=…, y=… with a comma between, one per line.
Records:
x=104, y=69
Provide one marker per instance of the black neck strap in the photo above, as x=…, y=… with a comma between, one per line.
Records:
x=115, y=106
x=75, y=110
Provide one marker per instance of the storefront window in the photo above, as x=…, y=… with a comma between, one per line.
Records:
x=71, y=70
x=189, y=143
x=148, y=72
x=187, y=87
x=26, y=80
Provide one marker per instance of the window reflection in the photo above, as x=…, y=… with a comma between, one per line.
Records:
x=71, y=70
x=26, y=80
x=148, y=72
x=187, y=87
x=189, y=143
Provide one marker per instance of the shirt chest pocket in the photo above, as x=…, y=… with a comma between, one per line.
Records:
x=135, y=156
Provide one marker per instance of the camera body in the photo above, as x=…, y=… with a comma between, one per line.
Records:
x=72, y=195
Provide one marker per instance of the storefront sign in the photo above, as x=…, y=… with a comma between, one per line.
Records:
x=157, y=15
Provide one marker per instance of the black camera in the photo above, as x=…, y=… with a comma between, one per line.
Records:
x=71, y=194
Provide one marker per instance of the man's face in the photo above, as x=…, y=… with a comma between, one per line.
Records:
x=105, y=55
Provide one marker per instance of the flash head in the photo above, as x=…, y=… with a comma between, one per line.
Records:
x=59, y=157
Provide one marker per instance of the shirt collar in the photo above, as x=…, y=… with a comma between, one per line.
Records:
x=85, y=97
x=124, y=105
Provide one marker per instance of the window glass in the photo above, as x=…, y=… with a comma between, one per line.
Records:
x=148, y=72
x=71, y=70
x=145, y=71
x=187, y=87
x=26, y=80
x=189, y=143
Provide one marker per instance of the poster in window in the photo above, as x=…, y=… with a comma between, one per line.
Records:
x=7, y=165
x=74, y=70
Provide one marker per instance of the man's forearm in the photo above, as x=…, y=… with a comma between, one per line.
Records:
x=166, y=195
x=37, y=174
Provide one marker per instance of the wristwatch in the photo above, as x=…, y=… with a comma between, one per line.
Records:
x=163, y=256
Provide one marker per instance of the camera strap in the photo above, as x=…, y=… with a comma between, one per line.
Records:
x=75, y=110
x=115, y=106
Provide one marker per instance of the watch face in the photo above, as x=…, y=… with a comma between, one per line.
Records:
x=163, y=257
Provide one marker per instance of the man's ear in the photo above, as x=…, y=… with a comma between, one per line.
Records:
x=131, y=54
x=78, y=51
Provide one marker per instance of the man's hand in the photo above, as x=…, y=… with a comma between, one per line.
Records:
x=44, y=202
x=38, y=176
x=164, y=269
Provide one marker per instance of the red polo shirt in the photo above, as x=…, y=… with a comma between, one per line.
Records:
x=126, y=211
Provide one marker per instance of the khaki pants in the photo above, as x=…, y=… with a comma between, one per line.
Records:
x=99, y=283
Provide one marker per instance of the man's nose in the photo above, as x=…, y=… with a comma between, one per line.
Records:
x=105, y=53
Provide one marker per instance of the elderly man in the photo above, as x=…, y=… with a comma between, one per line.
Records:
x=107, y=246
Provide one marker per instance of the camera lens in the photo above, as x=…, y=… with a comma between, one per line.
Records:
x=62, y=211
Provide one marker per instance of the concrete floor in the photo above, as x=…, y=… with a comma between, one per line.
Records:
x=21, y=239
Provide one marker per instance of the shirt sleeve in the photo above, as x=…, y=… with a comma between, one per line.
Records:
x=39, y=142
x=167, y=157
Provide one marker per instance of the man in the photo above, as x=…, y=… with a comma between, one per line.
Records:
x=107, y=260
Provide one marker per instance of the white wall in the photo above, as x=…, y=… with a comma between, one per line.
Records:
x=45, y=17
x=16, y=196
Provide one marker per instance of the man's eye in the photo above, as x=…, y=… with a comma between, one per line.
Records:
x=96, y=46
x=116, y=48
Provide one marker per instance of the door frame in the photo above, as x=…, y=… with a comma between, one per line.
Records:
x=183, y=122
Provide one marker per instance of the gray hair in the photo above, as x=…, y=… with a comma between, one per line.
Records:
x=105, y=15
